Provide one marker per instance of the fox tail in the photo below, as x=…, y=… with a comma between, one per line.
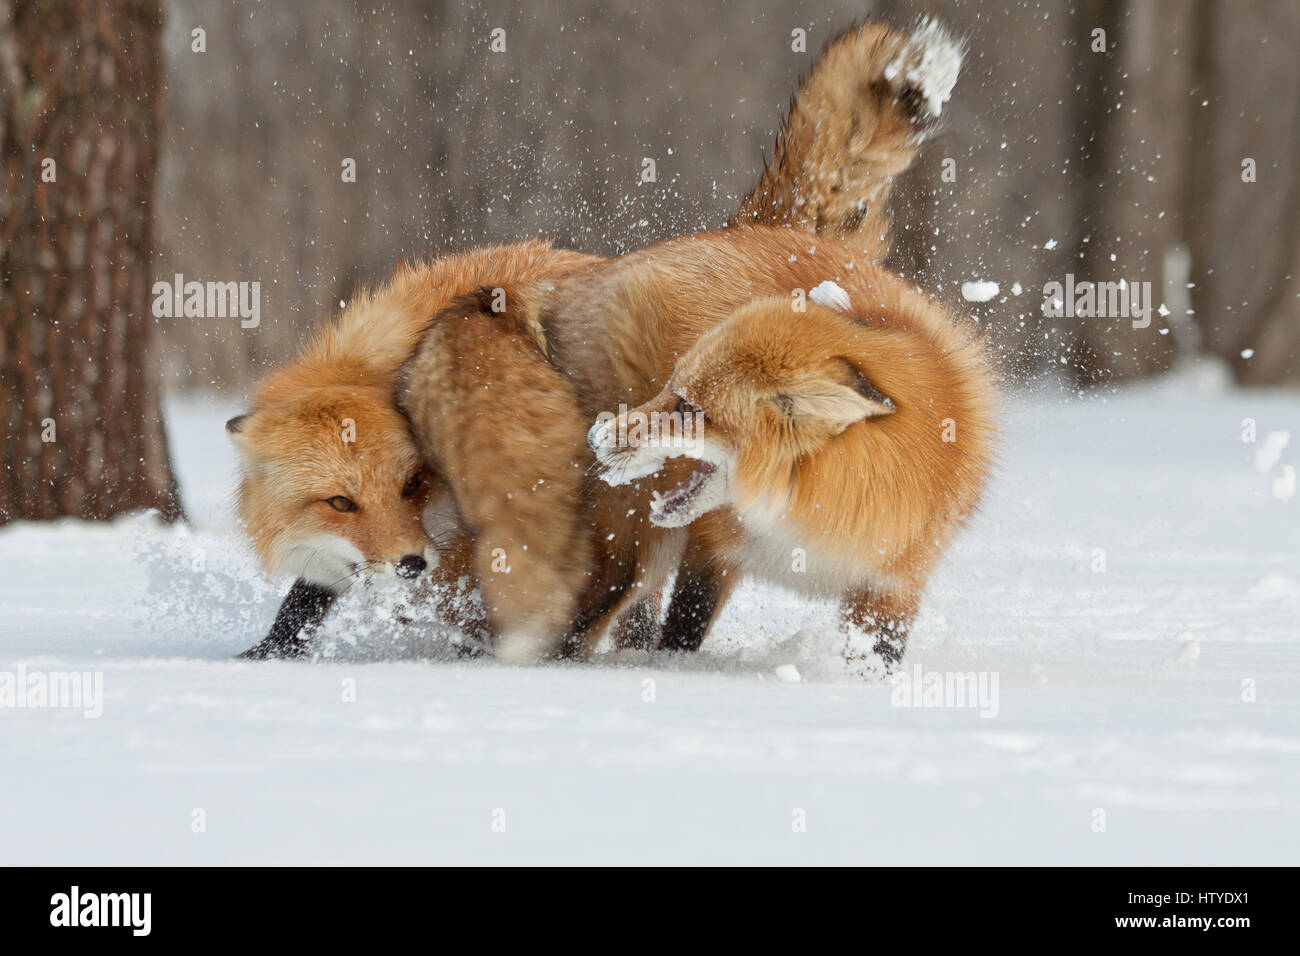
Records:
x=873, y=98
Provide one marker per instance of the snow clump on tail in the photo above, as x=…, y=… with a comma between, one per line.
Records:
x=928, y=63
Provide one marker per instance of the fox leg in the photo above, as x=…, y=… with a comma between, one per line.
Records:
x=702, y=587
x=635, y=616
x=300, y=614
x=624, y=596
x=638, y=627
x=875, y=623
x=306, y=605
x=607, y=597
x=447, y=582
x=696, y=597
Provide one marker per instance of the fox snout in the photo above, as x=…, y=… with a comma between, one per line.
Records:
x=600, y=436
x=620, y=452
x=410, y=566
x=614, y=433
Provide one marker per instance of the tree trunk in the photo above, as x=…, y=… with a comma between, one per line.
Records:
x=79, y=395
x=1134, y=123
x=1127, y=165
x=1245, y=235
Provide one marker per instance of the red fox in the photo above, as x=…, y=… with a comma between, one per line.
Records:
x=678, y=298
x=559, y=555
x=332, y=484
x=834, y=452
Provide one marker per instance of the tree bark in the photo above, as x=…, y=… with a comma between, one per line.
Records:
x=1245, y=236
x=1134, y=123
x=1130, y=161
x=79, y=395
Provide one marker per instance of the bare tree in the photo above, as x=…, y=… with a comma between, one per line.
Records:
x=1106, y=157
x=1147, y=141
x=79, y=116
x=1243, y=189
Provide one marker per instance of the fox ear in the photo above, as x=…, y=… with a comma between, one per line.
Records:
x=878, y=400
x=237, y=429
x=826, y=403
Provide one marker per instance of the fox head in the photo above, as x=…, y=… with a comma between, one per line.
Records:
x=333, y=485
x=763, y=390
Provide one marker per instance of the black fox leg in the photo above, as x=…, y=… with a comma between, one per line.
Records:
x=303, y=609
x=603, y=601
x=891, y=641
x=698, y=594
x=638, y=626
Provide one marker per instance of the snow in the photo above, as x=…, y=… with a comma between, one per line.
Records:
x=932, y=60
x=788, y=673
x=1128, y=598
x=1269, y=452
x=831, y=295
x=978, y=291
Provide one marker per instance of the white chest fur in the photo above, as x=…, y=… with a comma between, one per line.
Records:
x=774, y=549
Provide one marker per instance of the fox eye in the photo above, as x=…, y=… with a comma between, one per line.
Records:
x=412, y=486
x=684, y=407
x=340, y=503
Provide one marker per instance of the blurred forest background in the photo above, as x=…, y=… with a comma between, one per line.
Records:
x=1126, y=161
x=1126, y=164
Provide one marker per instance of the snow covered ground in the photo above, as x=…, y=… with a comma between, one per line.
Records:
x=1145, y=713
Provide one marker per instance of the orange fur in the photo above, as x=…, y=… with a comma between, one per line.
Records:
x=855, y=123
x=573, y=553
x=863, y=440
x=292, y=441
x=613, y=332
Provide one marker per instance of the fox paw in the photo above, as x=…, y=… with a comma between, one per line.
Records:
x=925, y=69
x=866, y=658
